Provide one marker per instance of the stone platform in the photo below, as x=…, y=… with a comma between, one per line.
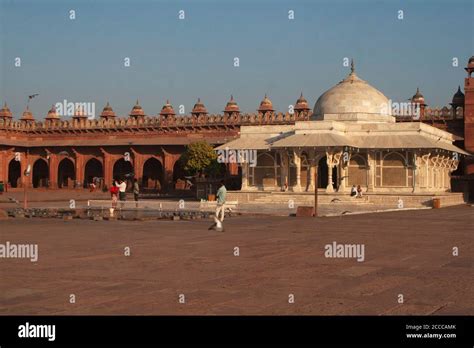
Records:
x=412, y=200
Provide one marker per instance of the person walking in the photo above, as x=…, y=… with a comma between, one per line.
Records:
x=221, y=196
x=220, y=209
x=136, y=191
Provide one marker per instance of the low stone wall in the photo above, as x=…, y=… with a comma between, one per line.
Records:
x=412, y=200
x=417, y=200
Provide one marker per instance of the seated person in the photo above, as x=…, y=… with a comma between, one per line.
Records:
x=353, y=191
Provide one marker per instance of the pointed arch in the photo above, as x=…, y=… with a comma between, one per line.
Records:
x=40, y=175
x=14, y=173
x=153, y=174
x=93, y=170
x=66, y=173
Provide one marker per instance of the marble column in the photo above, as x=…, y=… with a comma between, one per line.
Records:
x=371, y=167
x=284, y=169
x=245, y=179
x=415, y=174
x=312, y=172
x=297, y=161
x=329, y=162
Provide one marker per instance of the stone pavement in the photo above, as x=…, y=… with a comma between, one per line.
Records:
x=60, y=199
x=406, y=252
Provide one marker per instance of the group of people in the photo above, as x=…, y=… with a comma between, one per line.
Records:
x=118, y=191
x=356, y=191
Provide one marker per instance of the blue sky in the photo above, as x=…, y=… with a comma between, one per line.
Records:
x=82, y=60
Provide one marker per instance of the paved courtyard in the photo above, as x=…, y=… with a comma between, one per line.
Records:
x=60, y=199
x=407, y=253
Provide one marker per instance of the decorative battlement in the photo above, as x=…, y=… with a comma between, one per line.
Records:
x=166, y=120
x=433, y=114
x=170, y=121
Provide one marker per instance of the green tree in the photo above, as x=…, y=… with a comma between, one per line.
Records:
x=200, y=157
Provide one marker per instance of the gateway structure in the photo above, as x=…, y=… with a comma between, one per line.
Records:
x=352, y=138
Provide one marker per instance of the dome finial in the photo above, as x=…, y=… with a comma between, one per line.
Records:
x=352, y=66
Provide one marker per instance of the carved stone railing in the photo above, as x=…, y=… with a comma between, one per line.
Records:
x=432, y=114
x=183, y=121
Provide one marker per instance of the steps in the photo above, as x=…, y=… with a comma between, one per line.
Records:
x=305, y=198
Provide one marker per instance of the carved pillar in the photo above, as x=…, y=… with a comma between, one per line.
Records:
x=312, y=170
x=333, y=160
x=344, y=170
x=428, y=172
x=79, y=168
x=284, y=168
x=424, y=170
x=446, y=176
x=107, y=167
x=286, y=160
x=439, y=165
x=3, y=168
x=329, y=162
x=435, y=172
x=371, y=167
x=440, y=173
x=245, y=178
x=26, y=180
x=168, y=164
x=311, y=184
x=53, y=170
x=138, y=162
x=415, y=180
x=297, y=162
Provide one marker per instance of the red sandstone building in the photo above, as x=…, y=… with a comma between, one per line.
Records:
x=71, y=153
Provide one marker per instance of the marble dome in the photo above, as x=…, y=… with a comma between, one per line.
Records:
x=353, y=99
